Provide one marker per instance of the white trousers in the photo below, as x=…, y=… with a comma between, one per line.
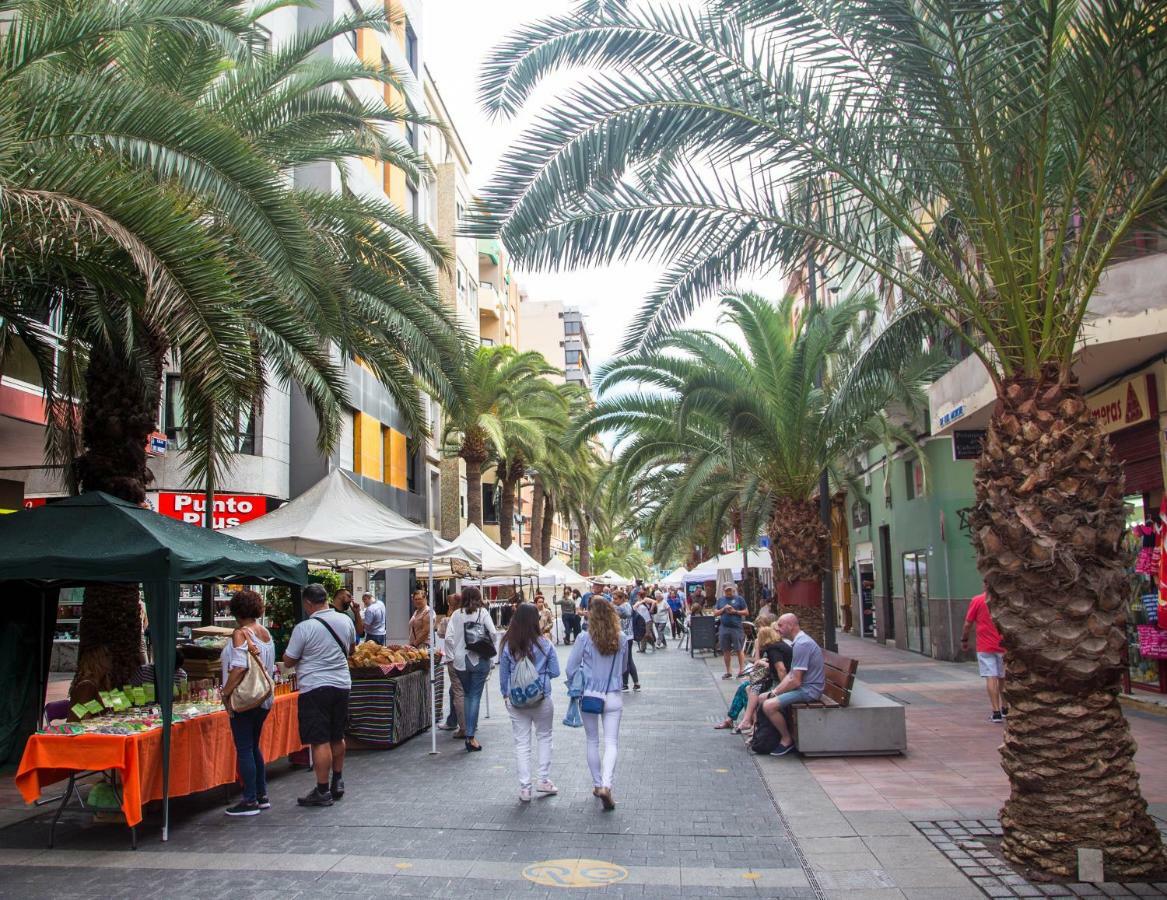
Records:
x=541, y=717
x=613, y=709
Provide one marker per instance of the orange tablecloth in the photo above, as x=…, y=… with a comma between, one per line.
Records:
x=202, y=756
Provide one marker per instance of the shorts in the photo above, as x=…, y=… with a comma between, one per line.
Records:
x=798, y=695
x=729, y=639
x=323, y=715
x=991, y=665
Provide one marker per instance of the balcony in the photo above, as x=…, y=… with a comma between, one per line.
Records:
x=1125, y=325
x=490, y=304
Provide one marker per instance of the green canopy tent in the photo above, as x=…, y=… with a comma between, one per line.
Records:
x=98, y=538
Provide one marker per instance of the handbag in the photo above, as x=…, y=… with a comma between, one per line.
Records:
x=478, y=639
x=256, y=686
x=590, y=703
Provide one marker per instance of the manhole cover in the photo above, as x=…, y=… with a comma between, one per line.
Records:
x=574, y=873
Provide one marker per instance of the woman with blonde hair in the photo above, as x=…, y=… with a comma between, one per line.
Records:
x=771, y=662
x=601, y=653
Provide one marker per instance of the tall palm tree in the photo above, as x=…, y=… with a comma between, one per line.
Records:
x=557, y=469
x=739, y=436
x=146, y=202
x=984, y=162
x=498, y=415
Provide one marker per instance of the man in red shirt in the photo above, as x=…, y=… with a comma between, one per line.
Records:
x=990, y=653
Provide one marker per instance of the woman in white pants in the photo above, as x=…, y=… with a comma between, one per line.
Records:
x=601, y=652
x=529, y=704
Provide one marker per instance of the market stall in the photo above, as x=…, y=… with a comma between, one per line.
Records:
x=95, y=538
x=390, y=701
x=202, y=753
x=337, y=523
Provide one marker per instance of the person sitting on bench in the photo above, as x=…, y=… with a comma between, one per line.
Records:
x=804, y=683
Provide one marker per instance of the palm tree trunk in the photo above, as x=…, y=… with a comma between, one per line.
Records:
x=473, y=451
x=537, y=493
x=1047, y=526
x=506, y=511
x=799, y=543
x=118, y=415
x=545, y=527
x=585, y=548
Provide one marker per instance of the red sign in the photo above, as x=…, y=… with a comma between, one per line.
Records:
x=230, y=509
x=34, y=502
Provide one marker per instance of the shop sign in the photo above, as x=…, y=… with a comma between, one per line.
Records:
x=229, y=510
x=34, y=502
x=1127, y=403
x=967, y=444
x=156, y=444
x=951, y=416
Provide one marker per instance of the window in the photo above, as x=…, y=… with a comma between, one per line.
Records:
x=259, y=40
x=916, y=601
x=411, y=206
x=411, y=134
x=411, y=465
x=461, y=285
x=344, y=443
x=459, y=211
x=411, y=47
x=573, y=357
x=572, y=326
x=174, y=420
x=489, y=509
x=913, y=478
x=351, y=36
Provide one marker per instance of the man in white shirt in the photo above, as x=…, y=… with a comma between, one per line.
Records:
x=318, y=650
x=374, y=616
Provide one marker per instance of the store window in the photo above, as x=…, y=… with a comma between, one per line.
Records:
x=913, y=478
x=916, y=601
x=489, y=507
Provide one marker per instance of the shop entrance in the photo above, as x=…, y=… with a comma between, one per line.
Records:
x=916, y=601
x=866, y=575
x=889, y=630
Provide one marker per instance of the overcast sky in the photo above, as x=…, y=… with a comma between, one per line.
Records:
x=457, y=36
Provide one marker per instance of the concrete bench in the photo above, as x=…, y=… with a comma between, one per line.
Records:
x=850, y=719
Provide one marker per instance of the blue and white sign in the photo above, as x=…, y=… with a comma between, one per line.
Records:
x=952, y=415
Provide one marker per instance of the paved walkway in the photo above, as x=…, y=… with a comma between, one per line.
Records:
x=698, y=815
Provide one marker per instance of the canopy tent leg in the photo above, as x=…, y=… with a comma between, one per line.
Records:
x=162, y=601
x=433, y=677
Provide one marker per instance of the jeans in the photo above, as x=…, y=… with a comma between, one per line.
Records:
x=678, y=624
x=542, y=717
x=246, y=728
x=473, y=679
x=630, y=669
x=457, y=697
x=602, y=772
x=660, y=632
x=571, y=627
x=376, y=639
x=740, y=700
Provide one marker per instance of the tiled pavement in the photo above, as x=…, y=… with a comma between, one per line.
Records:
x=698, y=815
x=692, y=820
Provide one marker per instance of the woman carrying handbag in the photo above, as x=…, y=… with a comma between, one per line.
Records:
x=474, y=644
x=248, y=664
x=600, y=653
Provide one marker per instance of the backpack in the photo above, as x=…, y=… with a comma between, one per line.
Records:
x=526, y=688
x=765, y=738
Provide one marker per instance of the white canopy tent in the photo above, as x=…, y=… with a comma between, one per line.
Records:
x=490, y=558
x=571, y=578
x=337, y=523
x=759, y=558
x=675, y=578
x=544, y=575
x=613, y=579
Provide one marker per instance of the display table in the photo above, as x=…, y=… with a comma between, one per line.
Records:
x=385, y=710
x=202, y=756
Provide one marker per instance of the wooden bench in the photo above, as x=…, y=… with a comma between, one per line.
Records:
x=849, y=719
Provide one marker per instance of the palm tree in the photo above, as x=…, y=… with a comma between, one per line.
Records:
x=737, y=437
x=151, y=211
x=984, y=163
x=557, y=470
x=499, y=417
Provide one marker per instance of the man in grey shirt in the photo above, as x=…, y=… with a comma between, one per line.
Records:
x=374, y=616
x=318, y=650
x=804, y=683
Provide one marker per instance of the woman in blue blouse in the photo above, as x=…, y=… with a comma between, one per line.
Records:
x=523, y=640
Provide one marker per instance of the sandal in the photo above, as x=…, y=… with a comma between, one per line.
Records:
x=722, y=726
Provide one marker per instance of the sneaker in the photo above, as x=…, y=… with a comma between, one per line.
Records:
x=337, y=788
x=546, y=787
x=625, y=689
x=782, y=750
x=525, y=794
x=997, y=718
x=243, y=808
x=1005, y=711
x=316, y=797
x=264, y=803
x=636, y=687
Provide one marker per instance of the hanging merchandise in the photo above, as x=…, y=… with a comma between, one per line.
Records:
x=1161, y=569
x=1148, y=557
x=1151, y=608
x=1152, y=642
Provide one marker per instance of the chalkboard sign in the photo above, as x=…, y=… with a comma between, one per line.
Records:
x=967, y=444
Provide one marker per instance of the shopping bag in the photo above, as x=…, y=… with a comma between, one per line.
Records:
x=573, y=719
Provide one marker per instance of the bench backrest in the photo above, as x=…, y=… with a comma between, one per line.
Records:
x=840, y=674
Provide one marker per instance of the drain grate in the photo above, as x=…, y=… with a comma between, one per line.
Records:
x=965, y=842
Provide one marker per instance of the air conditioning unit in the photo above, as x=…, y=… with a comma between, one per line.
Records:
x=867, y=480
